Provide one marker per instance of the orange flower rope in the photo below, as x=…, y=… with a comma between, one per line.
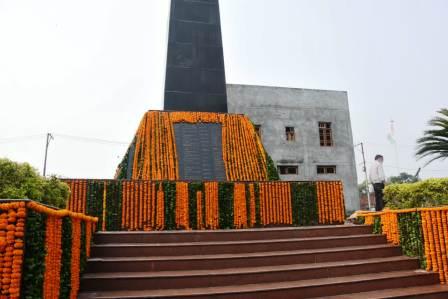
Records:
x=182, y=208
x=253, y=219
x=160, y=208
x=53, y=243
x=75, y=258
x=103, y=222
x=239, y=206
x=330, y=202
x=12, y=223
x=155, y=149
x=211, y=203
x=425, y=229
x=434, y=224
x=89, y=231
x=442, y=251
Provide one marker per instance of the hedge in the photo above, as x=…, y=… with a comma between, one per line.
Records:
x=427, y=193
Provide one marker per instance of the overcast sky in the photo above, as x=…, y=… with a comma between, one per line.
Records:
x=92, y=68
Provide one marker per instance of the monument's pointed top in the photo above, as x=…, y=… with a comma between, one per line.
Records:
x=195, y=76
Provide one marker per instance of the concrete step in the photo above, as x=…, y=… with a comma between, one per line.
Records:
x=239, y=260
x=240, y=276
x=422, y=292
x=230, y=235
x=223, y=247
x=291, y=289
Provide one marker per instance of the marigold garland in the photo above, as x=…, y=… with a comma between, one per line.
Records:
x=330, y=201
x=275, y=203
x=89, y=231
x=211, y=205
x=182, y=208
x=12, y=223
x=103, y=222
x=252, y=207
x=78, y=196
x=142, y=206
x=155, y=155
x=53, y=242
x=434, y=226
x=75, y=258
x=12, y=227
x=160, y=208
x=369, y=220
x=389, y=222
x=239, y=206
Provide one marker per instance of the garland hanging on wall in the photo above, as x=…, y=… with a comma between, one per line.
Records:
x=211, y=205
x=421, y=232
x=154, y=155
x=239, y=206
x=34, y=247
x=330, y=198
x=182, y=206
x=148, y=205
x=275, y=203
x=78, y=190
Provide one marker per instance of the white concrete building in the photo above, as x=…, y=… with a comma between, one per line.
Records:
x=307, y=132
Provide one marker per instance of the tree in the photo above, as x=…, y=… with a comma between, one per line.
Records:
x=21, y=181
x=362, y=188
x=434, y=143
x=403, y=178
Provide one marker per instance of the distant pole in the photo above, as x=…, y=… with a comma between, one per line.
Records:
x=49, y=138
x=364, y=168
x=394, y=142
x=418, y=173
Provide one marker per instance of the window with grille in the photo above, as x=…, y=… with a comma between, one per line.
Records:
x=326, y=169
x=288, y=169
x=290, y=134
x=325, y=134
x=258, y=130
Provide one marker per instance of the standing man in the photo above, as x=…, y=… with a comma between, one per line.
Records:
x=378, y=180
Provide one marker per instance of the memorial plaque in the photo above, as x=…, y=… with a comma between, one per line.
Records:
x=199, y=151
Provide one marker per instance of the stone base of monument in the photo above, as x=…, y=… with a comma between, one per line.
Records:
x=327, y=261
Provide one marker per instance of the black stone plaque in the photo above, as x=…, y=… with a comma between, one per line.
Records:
x=199, y=151
x=195, y=76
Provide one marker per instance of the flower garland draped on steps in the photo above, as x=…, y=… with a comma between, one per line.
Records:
x=34, y=247
x=422, y=232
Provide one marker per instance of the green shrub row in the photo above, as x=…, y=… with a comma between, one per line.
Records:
x=21, y=181
x=426, y=193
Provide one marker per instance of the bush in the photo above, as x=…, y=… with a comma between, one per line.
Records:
x=427, y=193
x=21, y=181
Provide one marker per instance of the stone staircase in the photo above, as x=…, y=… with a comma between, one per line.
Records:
x=313, y=262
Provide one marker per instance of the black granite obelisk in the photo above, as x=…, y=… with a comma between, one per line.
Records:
x=195, y=76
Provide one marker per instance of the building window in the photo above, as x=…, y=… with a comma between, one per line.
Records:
x=326, y=169
x=288, y=169
x=325, y=134
x=290, y=134
x=258, y=130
